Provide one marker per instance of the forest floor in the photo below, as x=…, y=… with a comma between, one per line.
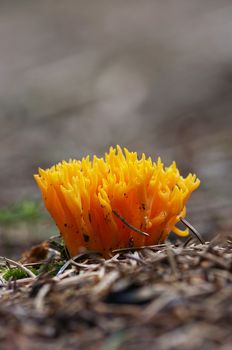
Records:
x=170, y=296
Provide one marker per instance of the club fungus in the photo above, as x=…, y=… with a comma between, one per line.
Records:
x=118, y=201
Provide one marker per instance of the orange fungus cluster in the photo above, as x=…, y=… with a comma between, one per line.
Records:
x=97, y=202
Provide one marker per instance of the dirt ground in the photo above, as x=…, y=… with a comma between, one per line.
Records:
x=165, y=297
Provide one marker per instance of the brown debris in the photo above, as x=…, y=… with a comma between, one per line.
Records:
x=168, y=297
x=37, y=253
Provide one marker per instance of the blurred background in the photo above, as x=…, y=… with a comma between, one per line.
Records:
x=79, y=76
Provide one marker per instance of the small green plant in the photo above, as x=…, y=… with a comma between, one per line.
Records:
x=15, y=273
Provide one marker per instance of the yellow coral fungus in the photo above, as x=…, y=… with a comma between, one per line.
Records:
x=88, y=199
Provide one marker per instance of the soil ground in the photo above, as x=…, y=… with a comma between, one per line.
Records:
x=165, y=297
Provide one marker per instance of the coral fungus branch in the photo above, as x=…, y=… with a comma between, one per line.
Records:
x=85, y=197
